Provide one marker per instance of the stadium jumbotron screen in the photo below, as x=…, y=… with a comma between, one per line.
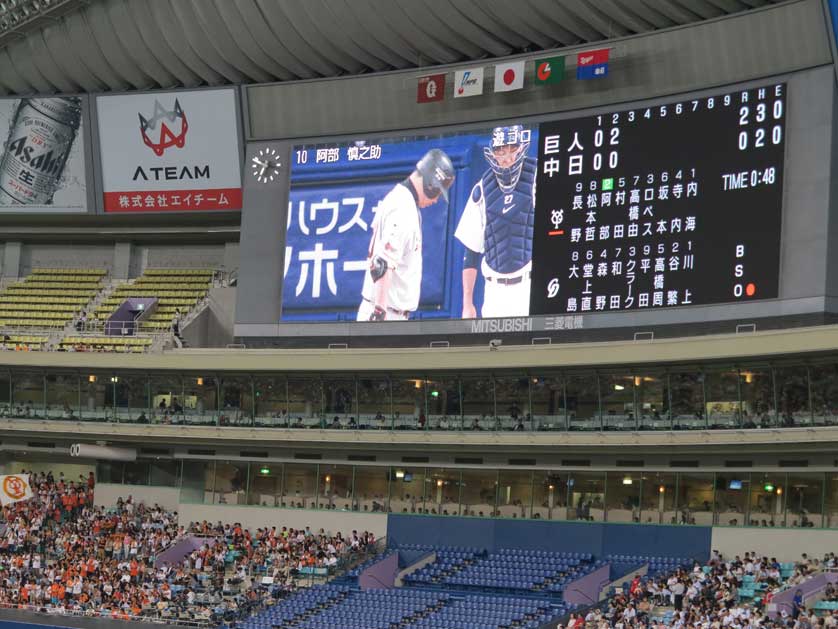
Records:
x=673, y=205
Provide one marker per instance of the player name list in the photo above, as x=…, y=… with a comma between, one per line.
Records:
x=673, y=205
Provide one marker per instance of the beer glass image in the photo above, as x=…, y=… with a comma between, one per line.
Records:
x=40, y=138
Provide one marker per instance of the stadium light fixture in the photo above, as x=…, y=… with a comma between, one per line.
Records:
x=434, y=393
x=779, y=491
x=399, y=473
x=91, y=378
x=440, y=483
x=661, y=489
x=628, y=481
x=199, y=382
x=619, y=387
x=265, y=470
x=114, y=379
x=769, y=486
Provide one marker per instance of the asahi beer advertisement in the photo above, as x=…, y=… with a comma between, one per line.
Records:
x=170, y=151
x=42, y=157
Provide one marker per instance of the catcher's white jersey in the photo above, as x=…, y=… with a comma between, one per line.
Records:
x=397, y=237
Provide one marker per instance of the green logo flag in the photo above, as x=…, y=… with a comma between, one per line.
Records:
x=550, y=70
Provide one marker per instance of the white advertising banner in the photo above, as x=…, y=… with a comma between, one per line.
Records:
x=42, y=156
x=170, y=151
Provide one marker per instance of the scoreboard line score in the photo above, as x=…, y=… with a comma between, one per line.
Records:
x=673, y=205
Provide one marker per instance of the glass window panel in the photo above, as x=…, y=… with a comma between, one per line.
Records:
x=63, y=396
x=265, y=484
x=479, y=491
x=196, y=481
x=478, y=403
x=550, y=492
x=766, y=507
x=622, y=496
x=722, y=391
x=5, y=392
x=299, y=488
x=512, y=402
x=339, y=403
x=305, y=402
x=651, y=396
x=548, y=408
x=236, y=401
x=515, y=493
x=804, y=500
x=96, y=399
x=732, y=498
x=582, y=401
x=230, y=483
x=831, y=506
x=335, y=487
x=373, y=401
x=164, y=473
x=793, y=396
x=687, y=393
x=407, y=490
x=109, y=472
x=167, y=401
x=199, y=403
x=136, y=473
x=618, y=412
x=757, y=389
x=695, y=499
x=824, y=382
x=587, y=496
x=371, y=486
x=131, y=398
x=408, y=405
x=443, y=493
x=658, y=498
x=28, y=394
x=444, y=410
x=271, y=403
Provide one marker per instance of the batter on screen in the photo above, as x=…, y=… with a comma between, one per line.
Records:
x=496, y=227
x=393, y=278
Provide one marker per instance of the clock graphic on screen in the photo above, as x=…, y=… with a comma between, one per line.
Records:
x=266, y=165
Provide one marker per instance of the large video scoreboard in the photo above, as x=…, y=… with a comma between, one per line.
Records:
x=639, y=208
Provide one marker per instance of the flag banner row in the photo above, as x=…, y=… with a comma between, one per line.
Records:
x=510, y=76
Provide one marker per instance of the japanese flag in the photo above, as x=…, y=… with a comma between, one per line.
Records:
x=14, y=488
x=509, y=76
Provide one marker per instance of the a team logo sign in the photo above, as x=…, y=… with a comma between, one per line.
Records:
x=168, y=135
x=14, y=487
x=544, y=71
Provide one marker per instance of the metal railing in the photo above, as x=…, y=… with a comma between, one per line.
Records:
x=153, y=616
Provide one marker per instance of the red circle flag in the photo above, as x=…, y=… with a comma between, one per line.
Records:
x=509, y=76
x=543, y=71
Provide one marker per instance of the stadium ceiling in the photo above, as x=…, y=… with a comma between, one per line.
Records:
x=49, y=46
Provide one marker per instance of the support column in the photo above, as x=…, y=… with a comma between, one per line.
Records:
x=11, y=259
x=122, y=252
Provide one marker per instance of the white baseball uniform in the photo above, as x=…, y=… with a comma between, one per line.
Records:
x=499, y=299
x=397, y=238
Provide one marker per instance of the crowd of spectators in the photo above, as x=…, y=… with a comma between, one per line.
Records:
x=708, y=597
x=61, y=554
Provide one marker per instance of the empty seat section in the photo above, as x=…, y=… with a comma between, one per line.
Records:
x=49, y=298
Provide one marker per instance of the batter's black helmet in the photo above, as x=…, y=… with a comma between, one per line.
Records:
x=437, y=172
